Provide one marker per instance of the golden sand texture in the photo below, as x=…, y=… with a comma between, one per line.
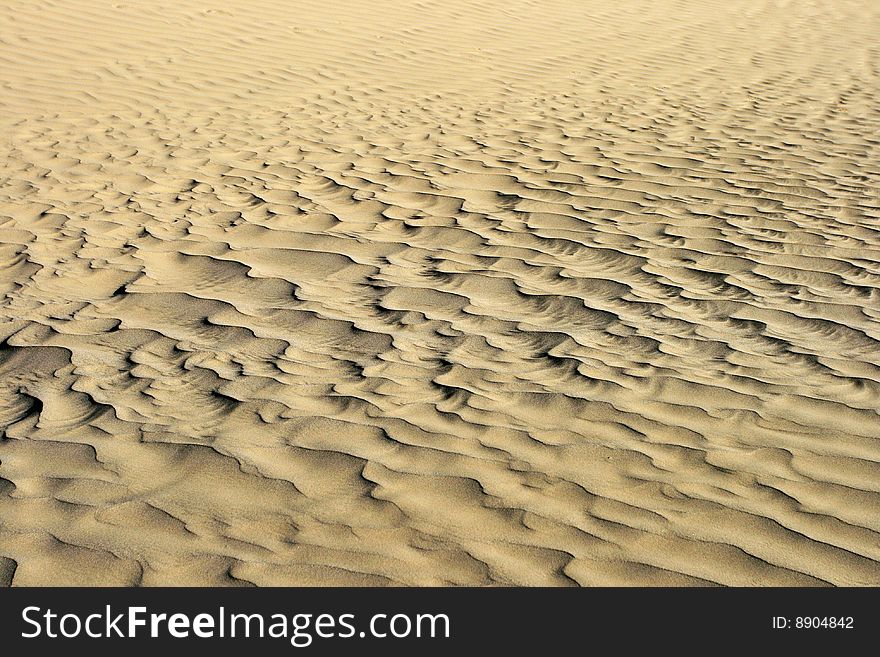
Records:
x=440, y=292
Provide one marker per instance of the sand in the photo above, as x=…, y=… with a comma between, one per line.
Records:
x=459, y=292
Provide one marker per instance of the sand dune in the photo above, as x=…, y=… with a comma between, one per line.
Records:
x=427, y=293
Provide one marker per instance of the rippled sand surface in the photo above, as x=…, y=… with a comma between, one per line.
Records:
x=428, y=293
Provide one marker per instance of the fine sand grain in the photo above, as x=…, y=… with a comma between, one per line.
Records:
x=432, y=292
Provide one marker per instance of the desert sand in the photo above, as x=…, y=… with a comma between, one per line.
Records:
x=440, y=292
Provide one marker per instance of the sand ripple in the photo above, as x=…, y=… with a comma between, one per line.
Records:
x=440, y=293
